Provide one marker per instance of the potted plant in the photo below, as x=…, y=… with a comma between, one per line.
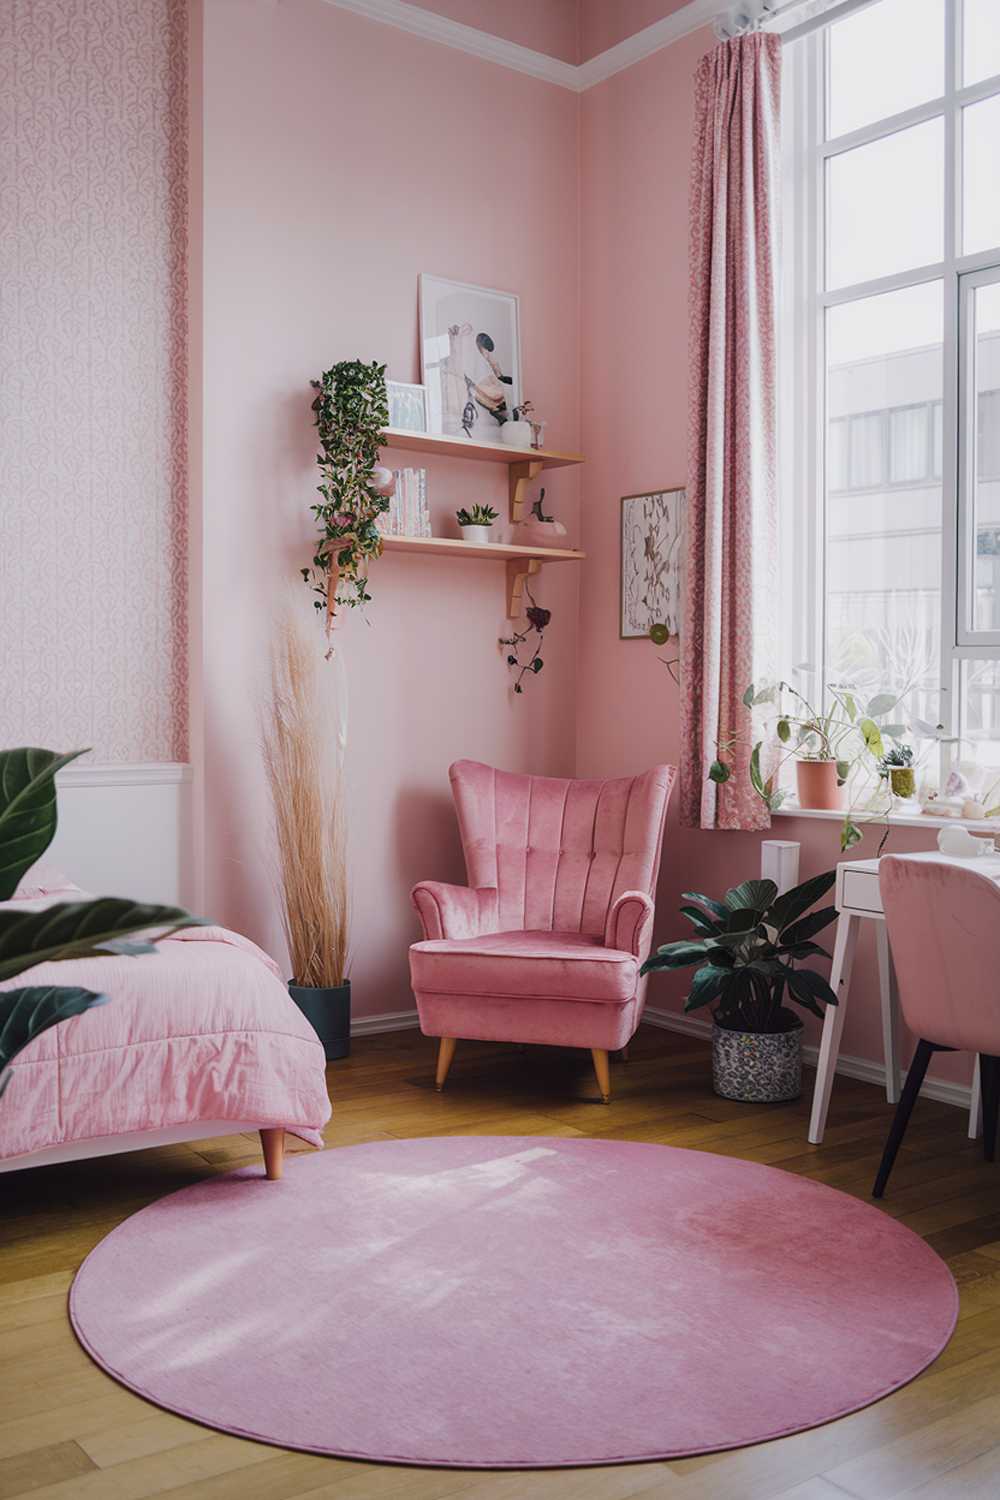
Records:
x=302, y=744
x=831, y=748
x=476, y=523
x=897, y=767
x=351, y=410
x=67, y=929
x=746, y=953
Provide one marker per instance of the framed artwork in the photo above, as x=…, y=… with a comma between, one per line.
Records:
x=470, y=356
x=407, y=406
x=652, y=532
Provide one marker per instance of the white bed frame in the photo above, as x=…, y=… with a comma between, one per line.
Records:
x=272, y=1143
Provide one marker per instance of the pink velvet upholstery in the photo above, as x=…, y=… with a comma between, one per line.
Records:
x=546, y=941
x=944, y=927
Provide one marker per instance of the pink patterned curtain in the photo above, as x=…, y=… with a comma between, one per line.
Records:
x=731, y=533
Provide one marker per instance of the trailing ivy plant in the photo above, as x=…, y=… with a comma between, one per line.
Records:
x=352, y=411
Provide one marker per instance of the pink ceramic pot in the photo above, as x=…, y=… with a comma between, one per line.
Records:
x=817, y=785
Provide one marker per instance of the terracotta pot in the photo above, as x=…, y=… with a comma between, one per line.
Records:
x=817, y=785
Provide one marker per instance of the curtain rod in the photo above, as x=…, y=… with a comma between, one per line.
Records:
x=757, y=14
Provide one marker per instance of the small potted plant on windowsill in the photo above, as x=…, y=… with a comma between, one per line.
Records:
x=476, y=523
x=746, y=952
x=896, y=767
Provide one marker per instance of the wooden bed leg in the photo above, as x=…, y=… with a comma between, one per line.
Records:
x=273, y=1145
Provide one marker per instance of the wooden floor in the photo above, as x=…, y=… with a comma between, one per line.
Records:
x=67, y=1430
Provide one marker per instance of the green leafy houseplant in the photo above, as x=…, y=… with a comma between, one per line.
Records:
x=479, y=515
x=746, y=953
x=69, y=929
x=352, y=412
x=848, y=734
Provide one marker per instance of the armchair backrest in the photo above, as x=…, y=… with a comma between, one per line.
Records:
x=559, y=852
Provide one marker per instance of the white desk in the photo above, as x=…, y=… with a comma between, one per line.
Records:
x=857, y=899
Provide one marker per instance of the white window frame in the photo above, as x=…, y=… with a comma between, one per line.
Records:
x=807, y=154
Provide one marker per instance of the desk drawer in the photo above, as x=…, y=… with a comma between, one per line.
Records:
x=860, y=891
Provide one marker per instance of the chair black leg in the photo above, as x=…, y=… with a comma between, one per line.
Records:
x=911, y=1088
x=989, y=1078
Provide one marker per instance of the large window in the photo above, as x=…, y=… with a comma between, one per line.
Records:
x=890, y=406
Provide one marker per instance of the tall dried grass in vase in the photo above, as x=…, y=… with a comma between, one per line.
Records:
x=303, y=754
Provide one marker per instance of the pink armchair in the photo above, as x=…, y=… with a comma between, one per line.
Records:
x=546, y=941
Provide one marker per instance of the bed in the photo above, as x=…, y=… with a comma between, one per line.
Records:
x=200, y=1039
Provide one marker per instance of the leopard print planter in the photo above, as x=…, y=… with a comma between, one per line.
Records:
x=757, y=1068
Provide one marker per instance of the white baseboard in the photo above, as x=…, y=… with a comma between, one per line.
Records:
x=386, y=1020
x=959, y=1094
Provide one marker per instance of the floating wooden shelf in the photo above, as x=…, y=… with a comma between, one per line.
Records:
x=522, y=562
x=524, y=464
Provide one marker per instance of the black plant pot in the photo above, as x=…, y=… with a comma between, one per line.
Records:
x=328, y=1013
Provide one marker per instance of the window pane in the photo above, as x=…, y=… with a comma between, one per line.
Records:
x=981, y=200
x=883, y=540
x=980, y=726
x=862, y=87
x=982, y=39
x=985, y=605
x=886, y=205
x=909, y=456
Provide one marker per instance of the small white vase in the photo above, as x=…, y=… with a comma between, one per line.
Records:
x=478, y=534
x=516, y=434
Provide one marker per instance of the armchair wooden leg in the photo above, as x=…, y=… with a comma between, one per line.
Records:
x=600, y=1056
x=446, y=1051
x=273, y=1145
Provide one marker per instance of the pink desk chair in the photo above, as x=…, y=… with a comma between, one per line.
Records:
x=944, y=930
x=546, y=941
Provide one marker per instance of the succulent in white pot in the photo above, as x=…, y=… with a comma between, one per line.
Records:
x=475, y=523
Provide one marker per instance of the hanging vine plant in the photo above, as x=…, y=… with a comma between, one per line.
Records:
x=351, y=411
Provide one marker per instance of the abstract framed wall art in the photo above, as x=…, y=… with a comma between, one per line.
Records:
x=652, y=533
x=470, y=354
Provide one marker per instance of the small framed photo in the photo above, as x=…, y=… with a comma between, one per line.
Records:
x=470, y=353
x=407, y=406
x=652, y=538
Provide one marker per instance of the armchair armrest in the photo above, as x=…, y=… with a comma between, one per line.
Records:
x=454, y=911
x=630, y=923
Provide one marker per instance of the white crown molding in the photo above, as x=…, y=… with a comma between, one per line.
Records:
x=434, y=28
x=577, y=78
x=681, y=23
x=863, y=1068
x=134, y=773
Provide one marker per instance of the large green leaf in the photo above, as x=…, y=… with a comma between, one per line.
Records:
x=792, y=904
x=706, y=986
x=715, y=907
x=807, y=927
x=27, y=809
x=700, y=921
x=675, y=956
x=78, y=929
x=752, y=895
x=808, y=987
x=26, y=1013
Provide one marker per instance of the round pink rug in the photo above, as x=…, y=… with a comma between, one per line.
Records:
x=497, y=1302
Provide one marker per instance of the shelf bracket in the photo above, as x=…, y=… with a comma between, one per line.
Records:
x=521, y=475
x=518, y=569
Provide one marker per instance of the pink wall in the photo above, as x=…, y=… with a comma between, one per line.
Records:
x=604, y=25
x=635, y=135
x=314, y=239
x=92, y=367
x=550, y=26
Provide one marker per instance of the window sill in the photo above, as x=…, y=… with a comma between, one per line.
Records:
x=894, y=819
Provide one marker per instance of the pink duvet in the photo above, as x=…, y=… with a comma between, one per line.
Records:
x=202, y=1030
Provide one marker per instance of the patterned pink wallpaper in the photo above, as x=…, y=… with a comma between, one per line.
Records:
x=93, y=543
